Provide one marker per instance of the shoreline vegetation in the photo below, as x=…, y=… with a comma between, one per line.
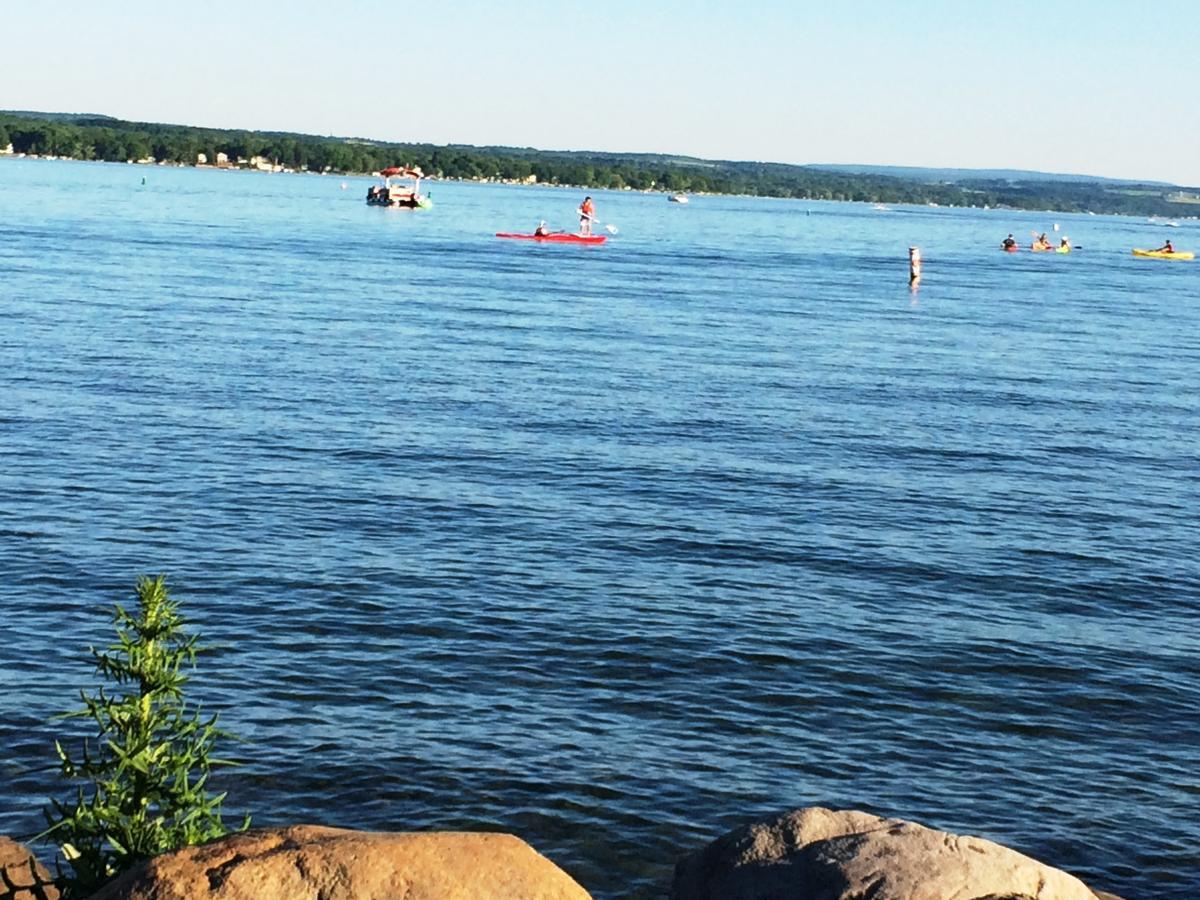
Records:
x=141, y=776
x=102, y=138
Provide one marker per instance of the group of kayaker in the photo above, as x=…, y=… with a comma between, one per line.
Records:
x=1041, y=244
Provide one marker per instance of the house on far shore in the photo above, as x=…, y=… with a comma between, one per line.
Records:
x=6, y=150
x=263, y=164
x=222, y=160
x=202, y=159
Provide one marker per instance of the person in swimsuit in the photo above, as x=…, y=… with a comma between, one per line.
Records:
x=587, y=212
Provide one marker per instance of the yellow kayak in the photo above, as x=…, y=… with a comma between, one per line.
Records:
x=1160, y=254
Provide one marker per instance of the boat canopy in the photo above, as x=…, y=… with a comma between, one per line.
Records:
x=402, y=172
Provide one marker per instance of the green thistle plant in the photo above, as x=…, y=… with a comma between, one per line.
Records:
x=146, y=769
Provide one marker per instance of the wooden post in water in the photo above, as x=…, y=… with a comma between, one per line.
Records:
x=914, y=265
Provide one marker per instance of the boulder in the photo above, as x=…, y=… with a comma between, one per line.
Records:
x=22, y=877
x=823, y=854
x=336, y=864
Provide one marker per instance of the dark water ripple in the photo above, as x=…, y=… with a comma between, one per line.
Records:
x=614, y=550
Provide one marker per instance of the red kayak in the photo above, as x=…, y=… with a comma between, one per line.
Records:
x=555, y=238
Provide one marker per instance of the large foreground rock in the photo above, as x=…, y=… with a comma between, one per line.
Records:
x=308, y=861
x=822, y=854
x=22, y=877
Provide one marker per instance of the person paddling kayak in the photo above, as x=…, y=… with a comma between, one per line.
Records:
x=1165, y=248
x=1009, y=243
x=542, y=230
x=587, y=212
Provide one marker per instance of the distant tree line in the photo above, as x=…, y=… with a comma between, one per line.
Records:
x=114, y=140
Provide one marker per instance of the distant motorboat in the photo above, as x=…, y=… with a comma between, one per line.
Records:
x=881, y=208
x=401, y=187
x=677, y=198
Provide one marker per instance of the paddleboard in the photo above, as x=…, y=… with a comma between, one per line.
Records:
x=554, y=238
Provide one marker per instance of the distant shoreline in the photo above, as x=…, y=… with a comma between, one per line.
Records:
x=99, y=138
x=558, y=186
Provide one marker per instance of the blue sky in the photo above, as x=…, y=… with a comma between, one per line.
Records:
x=1089, y=87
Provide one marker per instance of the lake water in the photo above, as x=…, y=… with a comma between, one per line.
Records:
x=615, y=547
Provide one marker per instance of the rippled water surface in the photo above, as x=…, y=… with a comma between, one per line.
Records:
x=614, y=548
